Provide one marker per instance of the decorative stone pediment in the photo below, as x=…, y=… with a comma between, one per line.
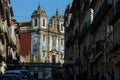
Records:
x=54, y=51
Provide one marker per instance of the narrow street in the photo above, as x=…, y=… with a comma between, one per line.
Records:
x=59, y=40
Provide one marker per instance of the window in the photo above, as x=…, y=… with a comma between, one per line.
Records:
x=54, y=42
x=35, y=22
x=61, y=56
x=43, y=37
x=43, y=54
x=53, y=59
x=61, y=41
x=61, y=27
x=43, y=22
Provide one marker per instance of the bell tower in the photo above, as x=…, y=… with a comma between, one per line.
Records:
x=39, y=34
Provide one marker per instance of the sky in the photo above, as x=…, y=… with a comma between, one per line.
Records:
x=23, y=9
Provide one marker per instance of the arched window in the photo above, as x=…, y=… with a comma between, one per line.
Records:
x=54, y=42
x=43, y=22
x=43, y=37
x=35, y=22
x=61, y=27
x=62, y=42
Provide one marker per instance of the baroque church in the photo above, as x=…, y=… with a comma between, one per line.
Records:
x=47, y=37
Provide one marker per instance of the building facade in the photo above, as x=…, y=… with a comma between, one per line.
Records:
x=56, y=39
x=25, y=41
x=92, y=36
x=47, y=37
x=9, y=37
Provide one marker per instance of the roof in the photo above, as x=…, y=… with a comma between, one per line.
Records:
x=23, y=24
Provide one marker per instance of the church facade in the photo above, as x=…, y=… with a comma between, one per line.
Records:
x=47, y=37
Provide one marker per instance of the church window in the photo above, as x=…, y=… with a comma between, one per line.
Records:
x=43, y=37
x=61, y=41
x=35, y=22
x=61, y=27
x=54, y=41
x=43, y=22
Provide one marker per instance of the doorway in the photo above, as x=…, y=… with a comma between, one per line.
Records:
x=53, y=58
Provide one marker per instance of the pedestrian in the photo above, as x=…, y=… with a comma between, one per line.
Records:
x=45, y=76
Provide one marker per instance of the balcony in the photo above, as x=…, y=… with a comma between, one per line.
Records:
x=115, y=47
x=99, y=46
x=106, y=6
x=115, y=13
x=85, y=28
x=92, y=3
x=97, y=50
x=69, y=41
x=83, y=33
x=75, y=35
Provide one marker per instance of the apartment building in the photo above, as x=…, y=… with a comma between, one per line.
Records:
x=93, y=24
x=114, y=21
x=9, y=40
x=72, y=48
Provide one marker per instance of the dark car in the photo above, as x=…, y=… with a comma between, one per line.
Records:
x=22, y=73
x=10, y=77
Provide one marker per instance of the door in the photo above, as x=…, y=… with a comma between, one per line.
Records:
x=53, y=59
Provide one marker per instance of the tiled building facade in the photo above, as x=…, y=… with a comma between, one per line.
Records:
x=47, y=37
x=56, y=38
x=92, y=36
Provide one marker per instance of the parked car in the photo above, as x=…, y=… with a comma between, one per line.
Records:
x=10, y=77
x=22, y=73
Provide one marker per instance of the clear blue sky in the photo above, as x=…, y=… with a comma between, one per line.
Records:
x=23, y=8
